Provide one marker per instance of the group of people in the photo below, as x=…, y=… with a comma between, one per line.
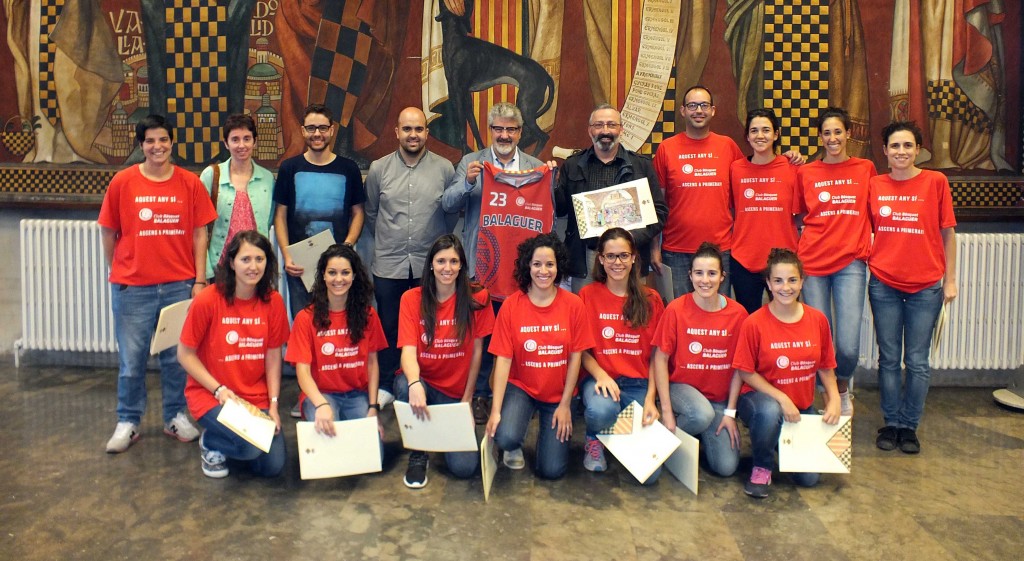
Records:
x=411, y=314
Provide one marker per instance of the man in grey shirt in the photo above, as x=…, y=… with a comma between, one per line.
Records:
x=403, y=210
x=463, y=193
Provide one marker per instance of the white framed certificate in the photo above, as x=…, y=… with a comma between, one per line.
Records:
x=641, y=450
x=813, y=446
x=627, y=205
x=450, y=428
x=307, y=253
x=488, y=464
x=169, y=326
x=684, y=463
x=249, y=422
x=353, y=450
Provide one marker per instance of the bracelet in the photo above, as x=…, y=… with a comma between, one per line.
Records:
x=415, y=382
x=730, y=413
x=204, y=283
x=273, y=400
x=217, y=391
x=375, y=406
x=321, y=405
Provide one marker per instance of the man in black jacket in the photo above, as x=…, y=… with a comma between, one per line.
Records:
x=604, y=164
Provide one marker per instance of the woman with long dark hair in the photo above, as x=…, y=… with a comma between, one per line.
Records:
x=334, y=343
x=623, y=314
x=231, y=348
x=441, y=326
x=539, y=336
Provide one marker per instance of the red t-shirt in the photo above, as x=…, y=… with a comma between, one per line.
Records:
x=836, y=227
x=445, y=364
x=700, y=345
x=765, y=200
x=908, y=218
x=695, y=177
x=621, y=350
x=154, y=222
x=540, y=340
x=336, y=364
x=788, y=355
x=232, y=341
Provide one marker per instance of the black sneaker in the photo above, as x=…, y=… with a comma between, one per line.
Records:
x=909, y=444
x=760, y=481
x=887, y=438
x=481, y=409
x=416, y=473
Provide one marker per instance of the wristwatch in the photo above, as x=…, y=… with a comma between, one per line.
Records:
x=375, y=406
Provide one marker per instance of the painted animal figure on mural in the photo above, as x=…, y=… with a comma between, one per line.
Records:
x=473, y=65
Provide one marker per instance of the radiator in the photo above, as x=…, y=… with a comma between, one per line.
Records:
x=65, y=294
x=65, y=297
x=985, y=324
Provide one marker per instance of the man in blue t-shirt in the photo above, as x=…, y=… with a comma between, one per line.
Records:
x=316, y=191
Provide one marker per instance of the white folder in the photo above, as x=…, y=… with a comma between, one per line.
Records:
x=248, y=422
x=684, y=463
x=640, y=449
x=812, y=446
x=307, y=253
x=451, y=428
x=169, y=326
x=488, y=464
x=354, y=449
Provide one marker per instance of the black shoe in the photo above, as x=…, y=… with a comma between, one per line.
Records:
x=416, y=473
x=481, y=409
x=888, y=438
x=909, y=444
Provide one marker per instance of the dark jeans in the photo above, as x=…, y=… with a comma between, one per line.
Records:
x=389, y=298
x=749, y=286
x=483, y=378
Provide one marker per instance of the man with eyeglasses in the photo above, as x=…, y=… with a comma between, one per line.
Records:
x=315, y=191
x=464, y=193
x=403, y=210
x=604, y=164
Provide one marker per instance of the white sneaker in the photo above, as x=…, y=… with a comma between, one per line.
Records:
x=846, y=403
x=125, y=434
x=214, y=463
x=384, y=397
x=181, y=428
x=593, y=456
x=513, y=459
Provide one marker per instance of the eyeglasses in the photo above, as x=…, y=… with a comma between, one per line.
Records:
x=609, y=125
x=695, y=105
x=613, y=257
x=510, y=130
x=314, y=128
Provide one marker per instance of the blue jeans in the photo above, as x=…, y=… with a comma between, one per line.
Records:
x=843, y=290
x=483, y=378
x=461, y=464
x=516, y=411
x=699, y=417
x=680, y=265
x=749, y=286
x=136, y=310
x=222, y=439
x=600, y=412
x=389, y=297
x=298, y=296
x=763, y=417
x=904, y=323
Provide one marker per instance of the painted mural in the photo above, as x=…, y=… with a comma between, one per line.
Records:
x=80, y=73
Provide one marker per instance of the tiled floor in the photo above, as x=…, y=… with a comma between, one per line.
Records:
x=62, y=497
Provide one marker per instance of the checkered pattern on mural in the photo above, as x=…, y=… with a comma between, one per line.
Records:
x=665, y=126
x=49, y=13
x=796, y=67
x=947, y=102
x=70, y=181
x=196, y=77
x=987, y=194
x=339, y=60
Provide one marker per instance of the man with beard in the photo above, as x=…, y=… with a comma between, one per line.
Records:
x=605, y=164
x=403, y=208
x=464, y=194
x=315, y=191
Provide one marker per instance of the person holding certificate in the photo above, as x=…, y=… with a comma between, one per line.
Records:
x=441, y=327
x=913, y=272
x=231, y=348
x=623, y=314
x=334, y=343
x=696, y=341
x=782, y=348
x=539, y=336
